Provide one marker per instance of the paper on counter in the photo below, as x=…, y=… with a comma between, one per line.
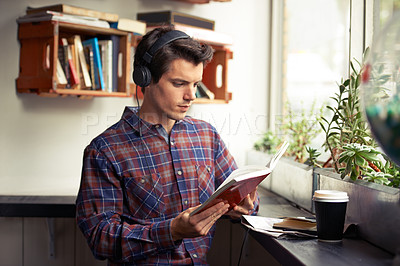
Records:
x=265, y=225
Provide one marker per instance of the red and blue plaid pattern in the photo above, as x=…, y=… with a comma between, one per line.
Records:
x=133, y=186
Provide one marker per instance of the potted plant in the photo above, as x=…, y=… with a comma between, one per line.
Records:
x=356, y=165
x=353, y=151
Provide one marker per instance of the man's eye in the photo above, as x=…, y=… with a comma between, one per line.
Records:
x=177, y=84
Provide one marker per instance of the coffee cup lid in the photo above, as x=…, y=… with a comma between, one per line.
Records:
x=330, y=196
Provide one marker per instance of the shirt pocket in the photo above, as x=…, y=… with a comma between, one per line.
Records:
x=144, y=196
x=206, y=182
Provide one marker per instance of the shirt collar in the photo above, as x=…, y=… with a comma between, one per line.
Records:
x=130, y=116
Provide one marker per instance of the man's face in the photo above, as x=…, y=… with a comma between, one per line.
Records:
x=170, y=99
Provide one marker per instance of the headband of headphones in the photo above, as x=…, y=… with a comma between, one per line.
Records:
x=163, y=40
x=141, y=73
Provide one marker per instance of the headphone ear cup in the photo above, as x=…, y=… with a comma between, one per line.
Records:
x=141, y=76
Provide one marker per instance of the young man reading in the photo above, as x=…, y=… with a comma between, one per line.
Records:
x=143, y=176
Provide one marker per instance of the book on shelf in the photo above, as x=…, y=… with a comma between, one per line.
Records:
x=74, y=55
x=82, y=63
x=74, y=10
x=48, y=15
x=106, y=53
x=131, y=25
x=74, y=78
x=90, y=63
x=172, y=17
x=204, y=92
x=92, y=46
x=63, y=56
x=115, y=65
x=202, y=35
x=241, y=182
x=60, y=75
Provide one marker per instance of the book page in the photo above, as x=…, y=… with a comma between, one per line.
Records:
x=245, y=172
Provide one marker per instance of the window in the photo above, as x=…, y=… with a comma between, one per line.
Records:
x=315, y=50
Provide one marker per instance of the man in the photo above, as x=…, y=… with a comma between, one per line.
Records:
x=144, y=175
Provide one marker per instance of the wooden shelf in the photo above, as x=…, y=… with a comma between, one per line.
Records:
x=39, y=52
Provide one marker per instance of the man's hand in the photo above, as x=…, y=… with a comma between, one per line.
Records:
x=185, y=226
x=245, y=206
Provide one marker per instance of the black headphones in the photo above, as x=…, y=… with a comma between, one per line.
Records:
x=141, y=73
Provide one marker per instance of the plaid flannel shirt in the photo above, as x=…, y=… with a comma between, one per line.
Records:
x=133, y=186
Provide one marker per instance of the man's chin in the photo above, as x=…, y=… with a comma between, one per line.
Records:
x=177, y=116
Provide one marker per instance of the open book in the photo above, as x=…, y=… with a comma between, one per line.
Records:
x=241, y=182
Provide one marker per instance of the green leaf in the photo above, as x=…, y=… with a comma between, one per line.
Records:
x=348, y=168
x=323, y=128
x=370, y=157
x=360, y=160
x=323, y=118
x=342, y=88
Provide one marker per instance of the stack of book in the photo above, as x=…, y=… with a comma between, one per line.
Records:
x=82, y=16
x=85, y=62
x=197, y=27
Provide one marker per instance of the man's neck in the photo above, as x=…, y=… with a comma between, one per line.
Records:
x=156, y=119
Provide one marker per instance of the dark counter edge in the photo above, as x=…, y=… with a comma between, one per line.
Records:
x=37, y=206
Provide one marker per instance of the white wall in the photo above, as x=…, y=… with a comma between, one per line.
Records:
x=42, y=139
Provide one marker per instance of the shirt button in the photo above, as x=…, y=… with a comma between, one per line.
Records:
x=208, y=169
x=172, y=143
x=194, y=255
x=179, y=172
x=185, y=202
x=142, y=181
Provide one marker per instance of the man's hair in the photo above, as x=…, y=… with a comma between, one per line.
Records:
x=187, y=49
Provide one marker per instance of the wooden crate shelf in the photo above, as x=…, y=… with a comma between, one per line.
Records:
x=39, y=52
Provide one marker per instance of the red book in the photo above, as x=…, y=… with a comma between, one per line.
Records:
x=241, y=182
x=73, y=71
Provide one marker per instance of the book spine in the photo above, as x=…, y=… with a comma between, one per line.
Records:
x=106, y=59
x=61, y=79
x=88, y=52
x=109, y=66
x=74, y=78
x=97, y=67
x=83, y=63
x=115, y=55
x=103, y=60
x=92, y=70
x=64, y=60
